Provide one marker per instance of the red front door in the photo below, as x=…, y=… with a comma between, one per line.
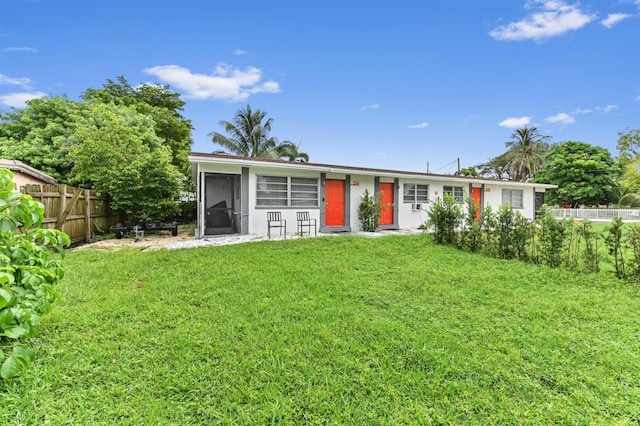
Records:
x=334, y=202
x=386, y=199
x=476, y=194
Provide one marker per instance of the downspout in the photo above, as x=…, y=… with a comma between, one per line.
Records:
x=201, y=193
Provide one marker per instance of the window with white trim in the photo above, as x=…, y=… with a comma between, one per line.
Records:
x=286, y=191
x=414, y=193
x=455, y=191
x=513, y=197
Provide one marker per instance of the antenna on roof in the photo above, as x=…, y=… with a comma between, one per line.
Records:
x=427, y=167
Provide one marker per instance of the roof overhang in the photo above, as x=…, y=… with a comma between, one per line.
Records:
x=202, y=158
x=19, y=166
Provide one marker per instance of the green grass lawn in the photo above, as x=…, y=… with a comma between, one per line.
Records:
x=333, y=330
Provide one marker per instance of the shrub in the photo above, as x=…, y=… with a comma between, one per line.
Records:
x=471, y=236
x=633, y=240
x=590, y=257
x=613, y=240
x=511, y=233
x=551, y=238
x=445, y=217
x=187, y=211
x=28, y=273
x=369, y=212
x=488, y=225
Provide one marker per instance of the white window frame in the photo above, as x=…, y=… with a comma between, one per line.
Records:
x=457, y=192
x=418, y=192
x=299, y=192
x=508, y=197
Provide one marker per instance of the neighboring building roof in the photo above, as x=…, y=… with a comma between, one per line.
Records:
x=19, y=166
x=328, y=168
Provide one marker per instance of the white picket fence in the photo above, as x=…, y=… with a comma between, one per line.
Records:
x=597, y=214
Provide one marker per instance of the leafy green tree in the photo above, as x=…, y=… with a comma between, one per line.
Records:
x=28, y=274
x=39, y=135
x=527, y=150
x=629, y=159
x=249, y=137
x=497, y=167
x=469, y=171
x=629, y=146
x=585, y=174
x=159, y=103
x=120, y=155
x=110, y=147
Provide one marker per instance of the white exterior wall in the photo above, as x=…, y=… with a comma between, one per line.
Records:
x=358, y=185
x=407, y=218
x=493, y=197
x=358, y=182
x=258, y=215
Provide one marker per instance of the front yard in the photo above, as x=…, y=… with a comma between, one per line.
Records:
x=335, y=330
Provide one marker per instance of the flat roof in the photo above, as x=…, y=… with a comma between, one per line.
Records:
x=198, y=157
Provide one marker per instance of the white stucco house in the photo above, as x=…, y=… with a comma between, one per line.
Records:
x=234, y=194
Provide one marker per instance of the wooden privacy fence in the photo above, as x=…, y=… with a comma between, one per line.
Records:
x=77, y=212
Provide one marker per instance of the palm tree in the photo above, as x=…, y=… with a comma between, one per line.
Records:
x=289, y=150
x=249, y=137
x=527, y=149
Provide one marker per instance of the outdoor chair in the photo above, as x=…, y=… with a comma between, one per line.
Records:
x=304, y=221
x=274, y=220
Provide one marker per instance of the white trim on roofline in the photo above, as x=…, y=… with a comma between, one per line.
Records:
x=202, y=158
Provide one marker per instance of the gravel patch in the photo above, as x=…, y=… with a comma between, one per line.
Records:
x=238, y=239
x=183, y=240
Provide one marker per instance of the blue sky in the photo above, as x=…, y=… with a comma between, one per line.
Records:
x=378, y=84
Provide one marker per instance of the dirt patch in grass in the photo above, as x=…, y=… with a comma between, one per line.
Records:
x=151, y=241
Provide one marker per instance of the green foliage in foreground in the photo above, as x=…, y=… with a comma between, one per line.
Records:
x=335, y=330
x=28, y=274
x=507, y=234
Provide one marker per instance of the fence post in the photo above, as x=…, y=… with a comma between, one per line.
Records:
x=62, y=205
x=87, y=216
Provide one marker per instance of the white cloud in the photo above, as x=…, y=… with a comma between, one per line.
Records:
x=514, y=122
x=607, y=108
x=225, y=82
x=553, y=19
x=614, y=18
x=561, y=118
x=419, y=126
x=21, y=49
x=22, y=82
x=239, y=52
x=18, y=100
x=372, y=106
x=596, y=109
